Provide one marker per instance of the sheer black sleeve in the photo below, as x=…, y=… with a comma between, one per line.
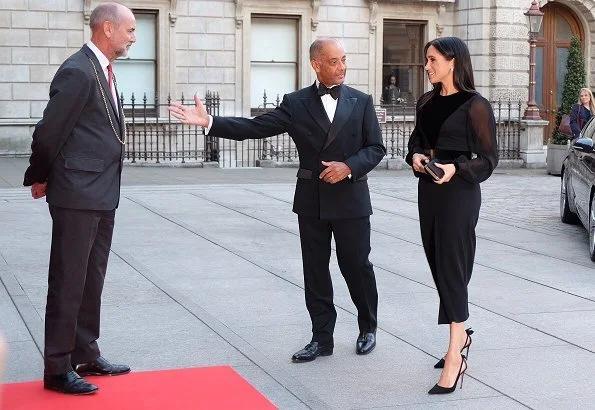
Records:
x=415, y=144
x=482, y=142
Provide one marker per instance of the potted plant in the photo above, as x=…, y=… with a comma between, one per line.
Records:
x=574, y=80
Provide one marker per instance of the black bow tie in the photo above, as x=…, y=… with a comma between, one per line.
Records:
x=333, y=91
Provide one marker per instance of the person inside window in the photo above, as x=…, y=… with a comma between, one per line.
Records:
x=391, y=93
x=581, y=111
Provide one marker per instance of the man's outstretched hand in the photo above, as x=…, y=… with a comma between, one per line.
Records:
x=196, y=115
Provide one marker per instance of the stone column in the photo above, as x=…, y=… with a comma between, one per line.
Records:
x=531, y=147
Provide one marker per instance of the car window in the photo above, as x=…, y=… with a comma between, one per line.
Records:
x=589, y=129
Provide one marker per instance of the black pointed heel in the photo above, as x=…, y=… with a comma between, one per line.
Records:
x=445, y=390
x=469, y=331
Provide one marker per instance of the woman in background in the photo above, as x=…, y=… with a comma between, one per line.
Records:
x=453, y=123
x=581, y=112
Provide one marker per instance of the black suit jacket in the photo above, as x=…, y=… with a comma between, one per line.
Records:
x=354, y=137
x=74, y=147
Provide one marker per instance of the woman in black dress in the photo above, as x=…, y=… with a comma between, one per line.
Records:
x=455, y=126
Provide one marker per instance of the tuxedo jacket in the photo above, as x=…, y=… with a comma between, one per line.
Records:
x=75, y=148
x=354, y=137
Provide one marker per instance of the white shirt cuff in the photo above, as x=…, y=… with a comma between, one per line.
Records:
x=208, y=129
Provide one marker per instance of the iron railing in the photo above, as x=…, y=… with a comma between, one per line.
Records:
x=396, y=124
x=253, y=153
x=508, y=128
x=155, y=136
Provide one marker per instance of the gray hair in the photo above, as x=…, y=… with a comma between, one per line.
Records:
x=105, y=12
x=316, y=46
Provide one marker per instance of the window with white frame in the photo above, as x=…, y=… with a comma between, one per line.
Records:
x=137, y=72
x=402, y=61
x=274, y=59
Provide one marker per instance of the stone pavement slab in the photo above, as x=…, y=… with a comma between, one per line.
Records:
x=205, y=269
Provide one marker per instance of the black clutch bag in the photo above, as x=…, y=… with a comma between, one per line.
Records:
x=433, y=170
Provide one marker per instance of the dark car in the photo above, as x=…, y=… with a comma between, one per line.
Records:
x=578, y=184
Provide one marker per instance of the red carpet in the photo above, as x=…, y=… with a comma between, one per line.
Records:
x=180, y=389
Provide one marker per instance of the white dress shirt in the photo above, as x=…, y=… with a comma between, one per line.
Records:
x=329, y=103
x=330, y=106
x=103, y=60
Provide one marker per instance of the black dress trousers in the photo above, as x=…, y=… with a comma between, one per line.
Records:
x=81, y=241
x=352, y=240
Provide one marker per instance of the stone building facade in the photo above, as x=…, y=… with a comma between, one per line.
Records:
x=243, y=48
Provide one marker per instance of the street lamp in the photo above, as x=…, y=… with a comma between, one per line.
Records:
x=534, y=19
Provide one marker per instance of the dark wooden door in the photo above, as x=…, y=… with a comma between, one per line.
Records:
x=559, y=25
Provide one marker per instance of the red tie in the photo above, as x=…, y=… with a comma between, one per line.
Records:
x=110, y=82
x=110, y=76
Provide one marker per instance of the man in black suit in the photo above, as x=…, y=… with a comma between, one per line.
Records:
x=76, y=160
x=336, y=132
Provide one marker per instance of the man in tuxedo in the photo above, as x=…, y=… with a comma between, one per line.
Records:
x=336, y=132
x=76, y=162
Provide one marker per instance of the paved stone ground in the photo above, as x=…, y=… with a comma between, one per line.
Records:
x=206, y=270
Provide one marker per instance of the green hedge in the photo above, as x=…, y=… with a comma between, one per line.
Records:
x=573, y=82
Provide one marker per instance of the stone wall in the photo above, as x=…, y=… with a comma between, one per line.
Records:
x=205, y=49
x=348, y=20
x=496, y=34
x=35, y=37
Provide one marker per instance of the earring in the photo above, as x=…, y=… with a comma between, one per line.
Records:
x=452, y=69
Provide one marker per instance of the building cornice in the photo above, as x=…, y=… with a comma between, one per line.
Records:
x=315, y=8
x=239, y=13
x=373, y=15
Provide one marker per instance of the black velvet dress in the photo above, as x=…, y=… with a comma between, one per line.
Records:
x=458, y=129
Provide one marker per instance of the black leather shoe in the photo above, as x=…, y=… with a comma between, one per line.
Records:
x=366, y=342
x=101, y=367
x=311, y=352
x=68, y=383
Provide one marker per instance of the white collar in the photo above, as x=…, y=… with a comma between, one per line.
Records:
x=103, y=60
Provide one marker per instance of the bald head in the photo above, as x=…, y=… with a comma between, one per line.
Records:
x=318, y=46
x=328, y=60
x=112, y=29
x=113, y=12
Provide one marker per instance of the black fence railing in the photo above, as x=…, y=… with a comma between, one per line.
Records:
x=508, y=128
x=396, y=123
x=155, y=136
x=254, y=153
